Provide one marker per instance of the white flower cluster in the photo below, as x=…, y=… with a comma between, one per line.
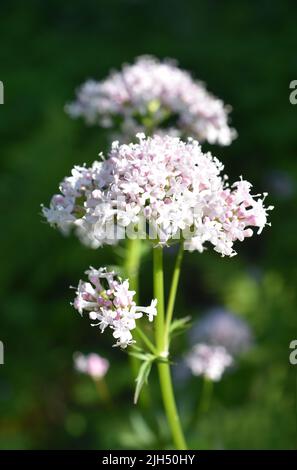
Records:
x=152, y=94
x=68, y=209
x=108, y=301
x=168, y=188
x=91, y=364
x=209, y=361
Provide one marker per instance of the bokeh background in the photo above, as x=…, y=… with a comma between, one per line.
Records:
x=246, y=53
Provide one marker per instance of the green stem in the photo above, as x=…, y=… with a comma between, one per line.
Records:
x=103, y=390
x=173, y=290
x=207, y=388
x=146, y=341
x=203, y=403
x=132, y=263
x=163, y=367
x=159, y=294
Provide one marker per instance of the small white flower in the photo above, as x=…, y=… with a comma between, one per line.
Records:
x=123, y=336
x=150, y=311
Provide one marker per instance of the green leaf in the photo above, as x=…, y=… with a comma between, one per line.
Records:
x=142, y=356
x=142, y=377
x=140, y=353
x=179, y=326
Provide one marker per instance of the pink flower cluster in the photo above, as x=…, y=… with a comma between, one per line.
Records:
x=91, y=364
x=168, y=189
x=150, y=94
x=209, y=361
x=108, y=301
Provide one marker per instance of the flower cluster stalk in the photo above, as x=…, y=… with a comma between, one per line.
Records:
x=162, y=349
x=173, y=291
x=131, y=265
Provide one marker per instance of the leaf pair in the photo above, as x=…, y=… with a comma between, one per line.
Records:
x=176, y=327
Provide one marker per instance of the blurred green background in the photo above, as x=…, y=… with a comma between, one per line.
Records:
x=246, y=53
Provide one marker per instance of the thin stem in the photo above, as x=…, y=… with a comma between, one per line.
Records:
x=207, y=388
x=132, y=263
x=203, y=402
x=173, y=290
x=146, y=341
x=159, y=294
x=103, y=390
x=163, y=367
x=170, y=406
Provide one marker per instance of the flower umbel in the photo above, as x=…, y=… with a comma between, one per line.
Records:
x=164, y=186
x=154, y=94
x=209, y=361
x=108, y=301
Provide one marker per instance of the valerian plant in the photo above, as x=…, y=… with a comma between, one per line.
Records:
x=162, y=190
x=154, y=97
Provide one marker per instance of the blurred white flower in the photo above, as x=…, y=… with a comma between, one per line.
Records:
x=219, y=327
x=91, y=364
x=209, y=361
x=151, y=94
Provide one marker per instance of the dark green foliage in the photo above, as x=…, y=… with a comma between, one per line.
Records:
x=246, y=53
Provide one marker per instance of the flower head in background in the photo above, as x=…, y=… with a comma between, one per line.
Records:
x=91, y=364
x=107, y=300
x=221, y=328
x=209, y=361
x=151, y=94
x=162, y=183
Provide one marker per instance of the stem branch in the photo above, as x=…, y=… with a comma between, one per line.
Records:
x=146, y=341
x=173, y=290
x=163, y=367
